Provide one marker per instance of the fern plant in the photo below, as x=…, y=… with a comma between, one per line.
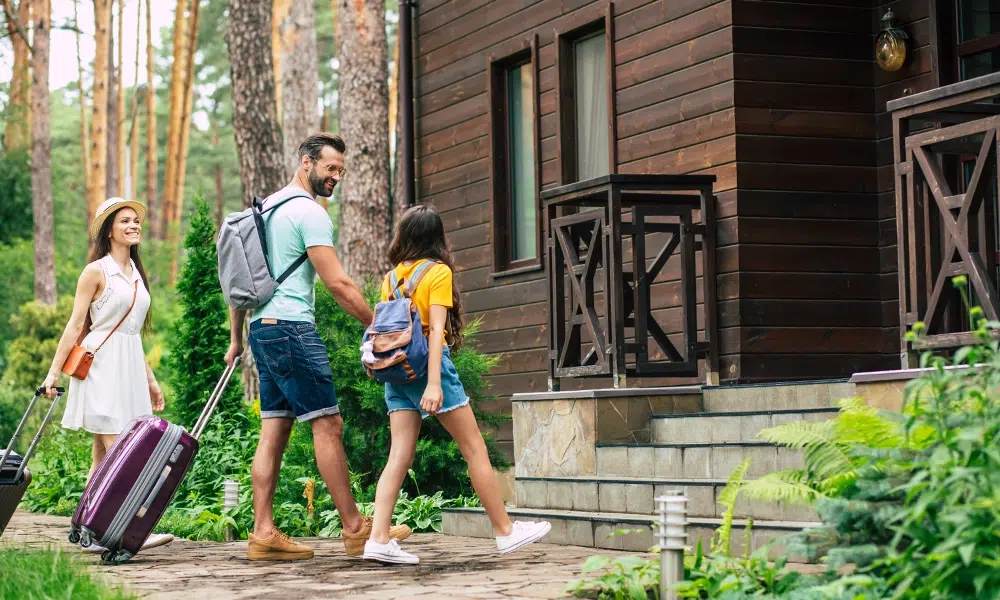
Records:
x=828, y=448
x=727, y=500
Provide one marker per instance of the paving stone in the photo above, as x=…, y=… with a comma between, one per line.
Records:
x=458, y=568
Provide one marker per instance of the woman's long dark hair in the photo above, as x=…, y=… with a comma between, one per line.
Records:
x=419, y=235
x=102, y=247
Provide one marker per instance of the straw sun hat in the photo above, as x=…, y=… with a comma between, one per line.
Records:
x=108, y=207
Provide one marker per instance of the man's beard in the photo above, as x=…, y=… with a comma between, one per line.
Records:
x=318, y=184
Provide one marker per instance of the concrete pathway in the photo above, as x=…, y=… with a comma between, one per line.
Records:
x=450, y=567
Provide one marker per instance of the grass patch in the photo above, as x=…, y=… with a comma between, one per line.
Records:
x=34, y=574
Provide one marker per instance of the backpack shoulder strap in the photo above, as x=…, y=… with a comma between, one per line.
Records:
x=280, y=202
x=394, y=285
x=298, y=261
x=418, y=274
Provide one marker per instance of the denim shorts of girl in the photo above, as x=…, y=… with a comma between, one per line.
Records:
x=406, y=396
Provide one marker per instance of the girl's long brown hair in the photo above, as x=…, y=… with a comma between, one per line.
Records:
x=420, y=235
x=102, y=247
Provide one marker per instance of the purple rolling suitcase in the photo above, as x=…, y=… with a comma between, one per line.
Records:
x=138, y=478
x=14, y=474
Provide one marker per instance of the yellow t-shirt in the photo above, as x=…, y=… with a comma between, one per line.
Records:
x=434, y=289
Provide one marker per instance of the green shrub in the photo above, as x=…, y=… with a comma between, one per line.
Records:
x=201, y=335
x=13, y=402
x=59, y=472
x=37, y=329
x=35, y=574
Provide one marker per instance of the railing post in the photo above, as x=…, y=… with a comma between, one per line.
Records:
x=673, y=539
x=230, y=501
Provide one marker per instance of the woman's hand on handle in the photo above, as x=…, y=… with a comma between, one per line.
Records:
x=50, y=386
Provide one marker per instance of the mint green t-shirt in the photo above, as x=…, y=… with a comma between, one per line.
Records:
x=291, y=228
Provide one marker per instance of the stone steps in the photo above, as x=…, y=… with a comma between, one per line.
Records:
x=728, y=427
x=795, y=396
x=598, y=529
x=635, y=495
x=692, y=461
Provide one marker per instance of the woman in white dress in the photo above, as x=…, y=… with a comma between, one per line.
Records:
x=120, y=386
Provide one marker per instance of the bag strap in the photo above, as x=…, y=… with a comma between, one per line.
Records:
x=259, y=210
x=125, y=316
x=418, y=274
x=394, y=285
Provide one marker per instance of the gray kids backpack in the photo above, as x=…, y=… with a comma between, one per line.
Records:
x=244, y=267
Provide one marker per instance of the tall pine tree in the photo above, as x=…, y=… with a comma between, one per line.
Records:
x=201, y=335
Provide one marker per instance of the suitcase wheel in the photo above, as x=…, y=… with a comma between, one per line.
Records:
x=74, y=536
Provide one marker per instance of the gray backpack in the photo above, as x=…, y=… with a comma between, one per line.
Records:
x=244, y=267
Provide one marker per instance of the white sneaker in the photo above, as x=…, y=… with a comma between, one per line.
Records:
x=524, y=533
x=390, y=553
x=156, y=540
x=95, y=547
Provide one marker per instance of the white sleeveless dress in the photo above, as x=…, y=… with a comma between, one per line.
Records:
x=115, y=390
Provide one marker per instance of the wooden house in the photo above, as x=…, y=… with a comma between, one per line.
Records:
x=825, y=183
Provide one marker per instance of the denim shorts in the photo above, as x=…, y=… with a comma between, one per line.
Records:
x=406, y=396
x=295, y=375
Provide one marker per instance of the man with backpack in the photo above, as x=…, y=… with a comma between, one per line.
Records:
x=290, y=234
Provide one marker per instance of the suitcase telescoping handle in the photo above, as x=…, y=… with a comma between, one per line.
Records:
x=38, y=436
x=213, y=400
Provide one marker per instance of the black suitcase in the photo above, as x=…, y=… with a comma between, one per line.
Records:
x=14, y=474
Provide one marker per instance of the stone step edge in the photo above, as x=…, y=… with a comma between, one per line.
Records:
x=636, y=519
x=747, y=413
x=679, y=481
x=785, y=383
x=690, y=445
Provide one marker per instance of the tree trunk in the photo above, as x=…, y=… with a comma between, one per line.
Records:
x=123, y=114
x=177, y=73
x=18, y=134
x=279, y=11
x=133, y=127
x=299, y=88
x=99, y=122
x=41, y=158
x=114, y=120
x=177, y=203
x=84, y=130
x=255, y=125
x=395, y=129
x=364, y=123
x=133, y=152
x=180, y=161
x=152, y=214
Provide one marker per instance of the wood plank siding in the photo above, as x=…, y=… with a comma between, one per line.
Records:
x=779, y=99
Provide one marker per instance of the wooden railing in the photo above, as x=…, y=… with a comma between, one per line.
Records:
x=945, y=154
x=587, y=244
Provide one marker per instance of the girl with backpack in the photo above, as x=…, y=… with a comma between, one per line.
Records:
x=420, y=251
